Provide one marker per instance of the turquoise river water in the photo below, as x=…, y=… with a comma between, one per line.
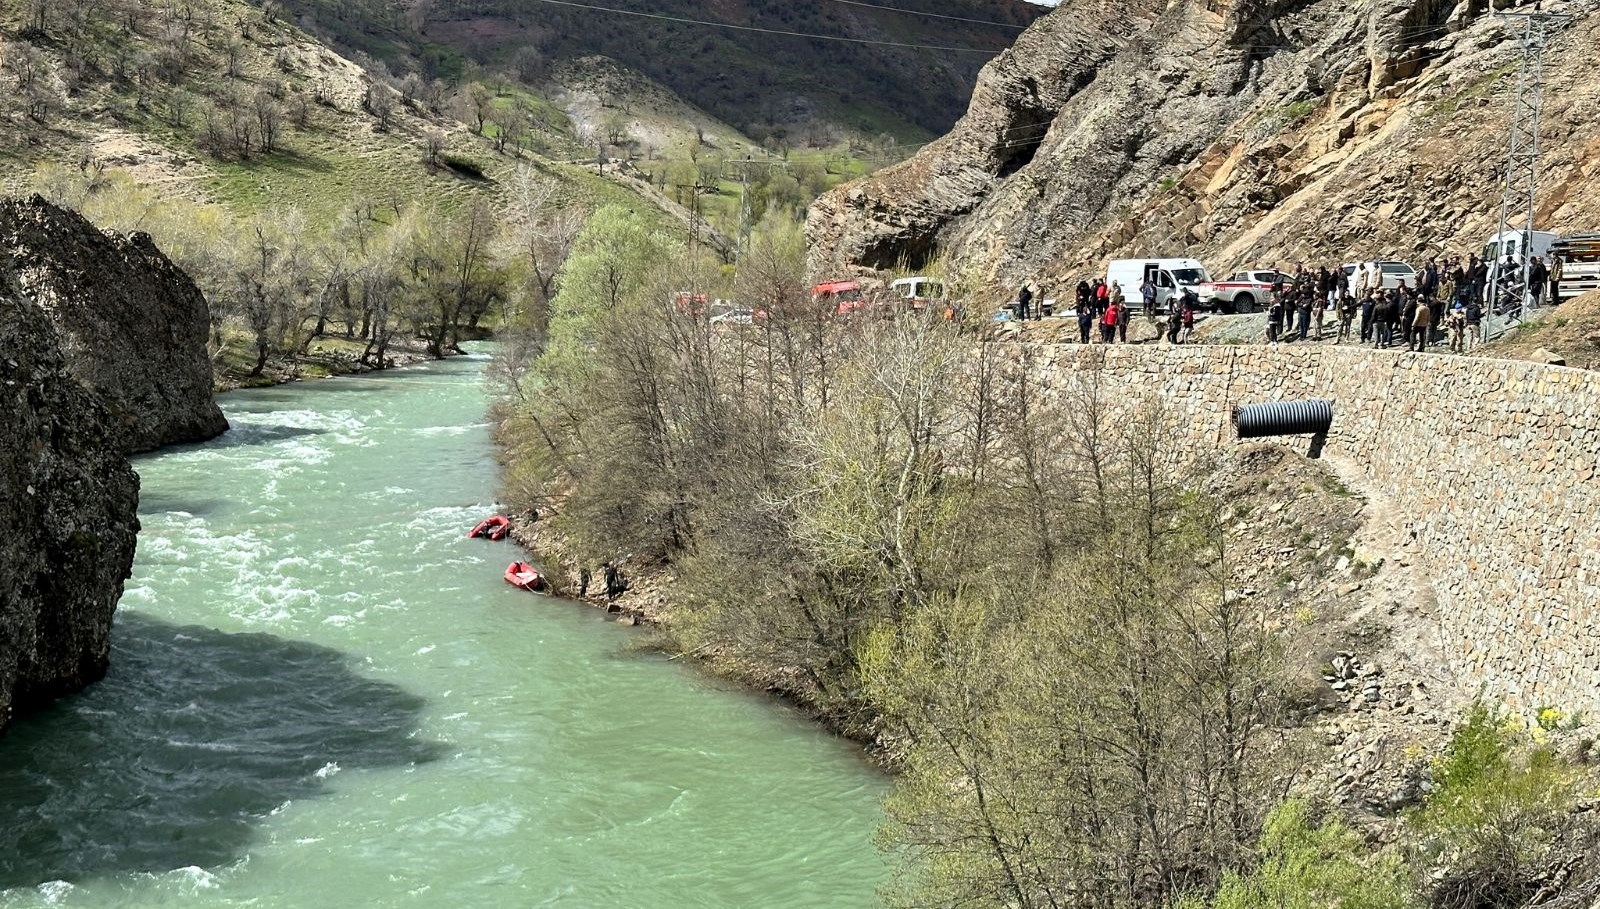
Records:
x=323, y=695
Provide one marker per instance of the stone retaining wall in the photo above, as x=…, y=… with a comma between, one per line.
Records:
x=1493, y=462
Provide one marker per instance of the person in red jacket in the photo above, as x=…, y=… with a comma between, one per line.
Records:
x=1108, y=323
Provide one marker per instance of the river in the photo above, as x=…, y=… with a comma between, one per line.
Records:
x=322, y=694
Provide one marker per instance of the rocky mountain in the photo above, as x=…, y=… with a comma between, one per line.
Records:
x=67, y=515
x=1237, y=132
x=132, y=326
x=730, y=58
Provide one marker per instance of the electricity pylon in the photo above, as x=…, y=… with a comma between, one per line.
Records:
x=1520, y=192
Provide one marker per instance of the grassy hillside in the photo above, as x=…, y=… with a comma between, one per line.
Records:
x=220, y=100
x=689, y=156
x=336, y=218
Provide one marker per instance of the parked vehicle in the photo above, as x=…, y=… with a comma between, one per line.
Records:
x=1515, y=243
x=1170, y=276
x=918, y=291
x=843, y=297
x=690, y=303
x=733, y=315
x=1393, y=274
x=1242, y=291
x=1580, y=264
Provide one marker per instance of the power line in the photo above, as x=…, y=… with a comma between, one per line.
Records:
x=769, y=31
x=915, y=12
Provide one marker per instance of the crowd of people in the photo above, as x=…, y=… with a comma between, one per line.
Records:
x=1447, y=304
x=1102, y=306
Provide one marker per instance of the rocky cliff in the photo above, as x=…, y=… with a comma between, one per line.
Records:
x=67, y=515
x=132, y=325
x=1236, y=131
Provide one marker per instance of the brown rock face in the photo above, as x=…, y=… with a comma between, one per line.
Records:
x=1238, y=133
x=67, y=516
x=131, y=325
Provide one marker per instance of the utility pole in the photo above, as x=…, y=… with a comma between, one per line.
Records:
x=1520, y=192
x=740, y=168
x=694, y=214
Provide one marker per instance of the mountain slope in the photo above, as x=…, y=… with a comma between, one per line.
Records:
x=757, y=81
x=182, y=98
x=1281, y=131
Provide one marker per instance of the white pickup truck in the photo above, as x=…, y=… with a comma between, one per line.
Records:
x=1580, y=263
x=1243, y=291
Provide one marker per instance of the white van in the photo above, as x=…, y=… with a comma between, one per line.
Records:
x=1515, y=243
x=1171, y=277
x=916, y=291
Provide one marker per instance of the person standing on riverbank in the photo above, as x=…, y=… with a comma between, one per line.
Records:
x=616, y=583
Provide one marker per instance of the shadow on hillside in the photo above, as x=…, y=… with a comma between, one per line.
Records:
x=285, y=159
x=193, y=738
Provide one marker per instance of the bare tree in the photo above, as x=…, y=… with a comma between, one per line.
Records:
x=547, y=231
x=39, y=14
x=181, y=105
x=233, y=57
x=615, y=125
x=269, y=120
x=475, y=105
x=380, y=102
x=411, y=89
x=433, y=141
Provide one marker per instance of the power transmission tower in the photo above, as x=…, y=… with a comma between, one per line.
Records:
x=1520, y=192
x=740, y=169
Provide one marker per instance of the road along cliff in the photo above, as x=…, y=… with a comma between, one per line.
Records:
x=67, y=515
x=1237, y=132
x=132, y=326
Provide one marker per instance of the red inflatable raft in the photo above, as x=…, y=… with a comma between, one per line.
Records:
x=492, y=528
x=521, y=574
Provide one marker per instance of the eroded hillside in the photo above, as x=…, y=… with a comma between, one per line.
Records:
x=1238, y=132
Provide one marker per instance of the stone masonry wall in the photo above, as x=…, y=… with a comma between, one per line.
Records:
x=1493, y=462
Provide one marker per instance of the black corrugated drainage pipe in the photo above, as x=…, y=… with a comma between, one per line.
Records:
x=1285, y=418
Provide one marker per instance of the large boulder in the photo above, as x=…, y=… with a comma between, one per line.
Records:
x=68, y=501
x=132, y=325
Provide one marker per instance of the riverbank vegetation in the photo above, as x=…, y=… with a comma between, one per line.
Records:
x=376, y=285
x=1025, y=602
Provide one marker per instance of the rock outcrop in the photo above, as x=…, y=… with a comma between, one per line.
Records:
x=132, y=325
x=67, y=515
x=1238, y=132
